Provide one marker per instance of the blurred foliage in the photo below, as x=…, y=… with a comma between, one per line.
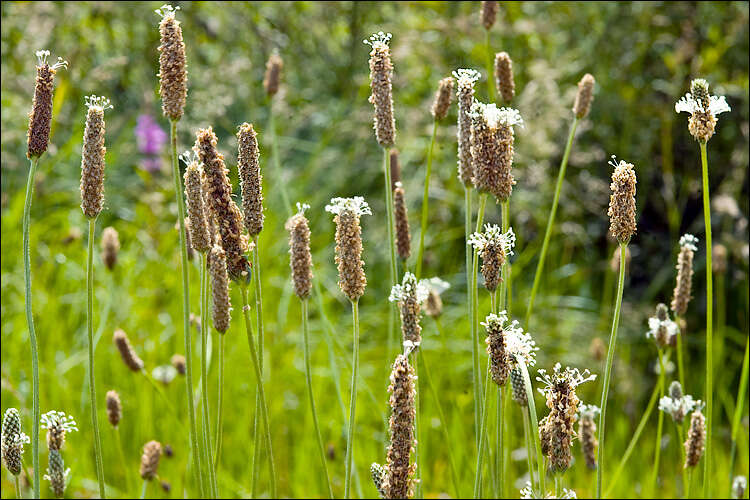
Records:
x=643, y=56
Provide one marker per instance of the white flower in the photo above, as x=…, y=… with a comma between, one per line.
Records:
x=42, y=56
x=409, y=287
x=357, y=205
x=495, y=117
x=679, y=407
x=654, y=324
x=526, y=491
x=378, y=39
x=164, y=373
x=589, y=411
x=167, y=10
x=689, y=241
x=493, y=234
x=436, y=285
x=93, y=101
x=688, y=104
x=58, y=418
x=466, y=77
x=571, y=376
x=518, y=345
x=739, y=485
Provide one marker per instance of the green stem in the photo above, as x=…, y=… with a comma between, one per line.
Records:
x=680, y=362
x=681, y=437
x=143, y=489
x=689, y=481
x=475, y=309
x=259, y=380
x=470, y=300
x=608, y=369
x=500, y=442
x=482, y=436
x=220, y=405
x=207, y=457
x=659, y=427
x=197, y=465
x=353, y=397
x=308, y=376
x=534, y=424
x=17, y=484
x=558, y=485
x=490, y=78
x=123, y=462
x=529, y=447
x=277, y=160
x=391, y=243
x=92, y=378
x=426, y=200
x=30, y=322
x=738, y=408
x=259, y=326
x=709, y=324
x=550, y=222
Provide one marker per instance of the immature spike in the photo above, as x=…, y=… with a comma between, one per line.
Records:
x=433, y=306
x=12, y=441
x=506, y=87
x=696, y=440
x=172, y=65
x=494, y=247
x=703, y=108
x=399, y=481
x=584, y=96
x=150, y=460
x=347, y=211
x=682, y=290
x=200, y=240
x=395, y=168
x=57, y=424
x=299, y=251
x=499, y=359
x=223, y=208
x=488, y=14
x=381, y=73
x=410, y=295
x=272, y=78
x=622, y=202
x=518, y=387
x=222, y=306
x=465, y=79
x=178, y=361
x=114, y=408
x=403, y=237
x=443, y=96
x=92, y=157
x=378, y=473
x=587, y=434
x=40, y=117
x=128, y=354
x=57, y=474
x=251, y=180
x=110, y=247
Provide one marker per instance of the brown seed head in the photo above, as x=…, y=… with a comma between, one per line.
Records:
x=494, y=247
x=114, y=408
x=696, y=440
x=506, y=87
x=499, y=359
x=300, y=258
x=381, y=73
x=399, y=482
x=703, y=109
x=223, y=208
x=403, y=237
x=57, y=424
x=443, y=97
x=222, y=306
x=682, y=293
x=128, y=354
x=272, y=78
x=92, y=157
x=347, y=211
x=150, y=460
x=200, y=240
x=488, y=14
x=465, y=80
x=622, y=201
x=110, y=247
x=719, y=258
x=584, y=96
x=395, y=168
x=172, y=64
x=433, y=306
x=587, y=433
x=56, y=474
x=251, y=181
x=702, y=126
x=40, y=117
x=178, y=361
x=410, y=295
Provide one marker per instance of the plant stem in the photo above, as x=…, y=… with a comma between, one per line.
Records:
x=92, y=378
x=391, y=243
x=550, y=222
x=475, y=314
x=259, y=326
x=659, y=427
x=529, y=447
x=277, y=160
x=220, y=405
x=534, y=424
x=558, y=485
x=426, y=200
x=709, y=324
x=482, y=433
x=608, y=369
x=308, y=376
x=689, y=481
x=259, y=380
x=470, y=300
x=207, y=457
x=143, y=489
x=738, y=408
x=122, y=458
x=680, y=362
x=30, y=322
x=353, y=397
x=17, y=484
x=186, y=308
x=490, y=79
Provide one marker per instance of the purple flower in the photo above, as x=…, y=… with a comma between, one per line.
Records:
x=151, y=138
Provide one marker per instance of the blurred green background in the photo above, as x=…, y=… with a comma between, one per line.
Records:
x=643, y=56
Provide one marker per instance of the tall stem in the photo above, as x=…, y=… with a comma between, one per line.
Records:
x=123, y=463
x=259, y=326
x=30, y=322
x=475, y=314
x=709, y=325
x=220, y=405
x=738, y=408
x=390, y=223
x=482, y=435
x=680, y=362
x=426, y=200
x=259, y=380
x=308, y=376
x=659, y=427
x=17, y=484
x=197, y=466
x=353, y=397
x=550, y=222
x=534, y=424
x=92, y=378
x=488, y=60
x=470, y=301
x=529, y=446
x=207, y=457
x=608, y=369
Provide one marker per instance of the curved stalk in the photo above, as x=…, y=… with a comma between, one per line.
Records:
x=482, y=433
x=540, y=466
x=470, y=301
x=353, y=398
x=659, y=427
x=220, y=405
x=259, y=327
x=709, y=325
x=17, y=484
x=426, y=200
x=30, y=322
x=207, y=457
x=608, y=369
x=529, y=447
x=550, y=222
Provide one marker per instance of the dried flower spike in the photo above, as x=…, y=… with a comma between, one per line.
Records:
x=506, y=87
x=584, y=96
x=622, y=201
x=110, y=247
x=57, y=424
x=507, y=344
x=13, y=440
x=347, y=211
x=40, y=117
x=696, y=440
x=587, y=433
x=222, y=306
x=678, y=404
x=443, y=97
x=399, y=481
x=248, y=164
x=703, y=108
x=178, y=361
x=114, y=408
x=200, y=240
x=410, y=295
x=663, y=330
x=381, y=73
x=128, y=354
x=57, y=474
x=433, y=306
x=92, y=157
x=150, y=460
x=172, y=64
x=495, y=247
x=465, y=80
x=682, y=294
x=272, y=78
x=488, y=14
x=401, y=218
x=299, y=251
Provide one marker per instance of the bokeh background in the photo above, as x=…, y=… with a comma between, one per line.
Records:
x=643, y=56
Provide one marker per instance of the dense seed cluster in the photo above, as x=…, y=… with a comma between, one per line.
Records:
x=506, y=87
x=401, y=219
x=92, y=157
x=703, y=108
x=251, y=181
x=584, y=96
x=110, y=247
x=465, y=80
x=272, y=77
x=347, y=211
x=150, y=460
x=57, y=474
x=378, y=473
x=622, y=201
x=57, y=424
x=683, y=284
x=172, y=65
x=410, y=295
x=443, y=97
x=40, y=117
x=433, y=306
x=488, y=14
x=300, y=258
x=221, y=312
x=662, y=329
x=114, y=408
x=381, y=74
x=494, y=247
x=696, y=439
x=587, y=433
x=500, y=365
x=399, y=481
x=128, y=354
x=12, y=441
x=518, y=387
x=200, y=240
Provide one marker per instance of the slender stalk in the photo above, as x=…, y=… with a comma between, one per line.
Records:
x=689, y=481
x=737, y=418
x=17, y=484
x=680, y=362
x=608, y=369
x=197, y=466
x=92, y=378
x=353, y=397
x=558, y=485
x=220, y=405
x=550, y=222
x=659, y=427
x=540, y=465
x=426, y=200
x=470, y=300
x=207, y=457
x=123, y=463
x=482, y=436
x=277, y=160
x=500, y=442
x=143, y=489
x=259, y=380
x=488, y=59
x=417, y=425
x=259, y=326
x=30, y=322
x=392, y=245
x=308, y=376
x=709, y=325
x=475, y=315
x=681, y=437
x=529, y=447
